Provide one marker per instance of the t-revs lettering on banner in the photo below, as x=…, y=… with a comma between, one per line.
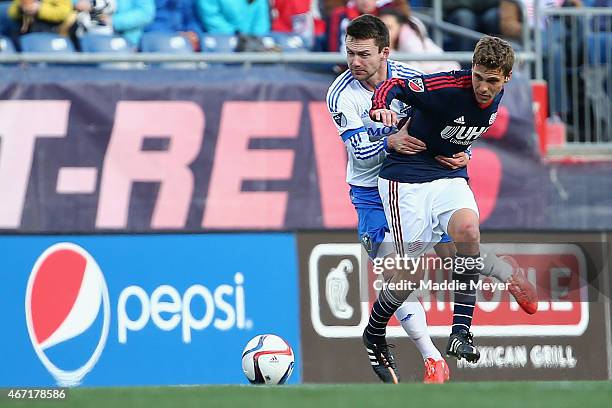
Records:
x=538, y=356
x=250, y=179
x=557, y=270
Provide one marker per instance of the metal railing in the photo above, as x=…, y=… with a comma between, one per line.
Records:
x=575, y=53
x=231, y=58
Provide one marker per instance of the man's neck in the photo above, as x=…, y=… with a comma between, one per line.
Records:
x=376, y=79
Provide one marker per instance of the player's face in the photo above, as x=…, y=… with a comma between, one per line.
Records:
x=487, y=83
x=363, y=58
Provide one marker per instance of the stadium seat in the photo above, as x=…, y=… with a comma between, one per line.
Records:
x=155, y=41
x=6, y=46
x=104, y=43
x=45, y=42
x=218, y=42
x=288, y=42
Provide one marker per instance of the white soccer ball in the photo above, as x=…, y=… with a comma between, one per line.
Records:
x=267, y=359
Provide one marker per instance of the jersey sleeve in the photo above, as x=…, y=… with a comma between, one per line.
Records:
x=425, y=92
x=345, y=114
x=411, y=91
x=348, y=122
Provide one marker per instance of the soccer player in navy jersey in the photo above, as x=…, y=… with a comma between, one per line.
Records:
x=368, y=143
x=349, y=100
x=424, y=199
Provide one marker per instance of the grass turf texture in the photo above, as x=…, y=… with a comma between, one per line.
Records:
x=483, y=394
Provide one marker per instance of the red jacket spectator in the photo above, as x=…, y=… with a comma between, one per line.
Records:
x=283, y=11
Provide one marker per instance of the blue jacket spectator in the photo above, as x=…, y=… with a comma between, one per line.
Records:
x=177, y=16
x=228, y=16
x=131, y=17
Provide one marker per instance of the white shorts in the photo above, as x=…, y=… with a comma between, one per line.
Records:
x=418, y=213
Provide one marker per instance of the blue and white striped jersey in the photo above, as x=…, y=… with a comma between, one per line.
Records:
x=349, y=104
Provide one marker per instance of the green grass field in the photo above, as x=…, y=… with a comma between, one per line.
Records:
x=490, y=394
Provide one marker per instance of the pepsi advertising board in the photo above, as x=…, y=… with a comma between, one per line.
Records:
x=143, y=310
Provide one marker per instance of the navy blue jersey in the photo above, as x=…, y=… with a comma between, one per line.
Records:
x=445, y=115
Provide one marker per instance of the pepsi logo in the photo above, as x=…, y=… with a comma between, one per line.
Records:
x=66, y=301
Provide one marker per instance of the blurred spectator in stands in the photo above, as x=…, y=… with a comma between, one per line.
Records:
x=600, y=23
x=478, y=15
x=299, y=17
x=56, y=16
x=250, y=17
x=130, y=19
x=408, y=34
x=511, y=15
x=341, y=16
x=178, y=16
x=89, y=16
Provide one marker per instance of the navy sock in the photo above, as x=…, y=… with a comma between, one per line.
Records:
x=465, y=298
x=382, y=310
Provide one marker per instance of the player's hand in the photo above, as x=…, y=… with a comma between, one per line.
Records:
x=405, y=144
x=402, y=142
x=386, y=116
x=458, y=160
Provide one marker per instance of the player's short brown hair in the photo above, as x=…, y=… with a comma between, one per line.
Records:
x=494, y=53
x=368, y=26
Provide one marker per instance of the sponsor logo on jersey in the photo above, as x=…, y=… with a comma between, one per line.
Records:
x=416, y=84
x=339, y=118
x=492, y=118
x=462, y=135
x=460, y=120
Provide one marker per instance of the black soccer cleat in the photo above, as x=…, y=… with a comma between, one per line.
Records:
x=382, y=360
x=461, y=345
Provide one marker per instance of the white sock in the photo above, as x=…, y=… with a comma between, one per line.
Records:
x=493, y=265
x=412, y=317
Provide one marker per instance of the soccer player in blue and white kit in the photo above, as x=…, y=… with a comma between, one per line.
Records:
x=367, y=142
x=423, y=200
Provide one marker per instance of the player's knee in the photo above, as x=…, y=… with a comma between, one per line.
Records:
x=467, y=232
